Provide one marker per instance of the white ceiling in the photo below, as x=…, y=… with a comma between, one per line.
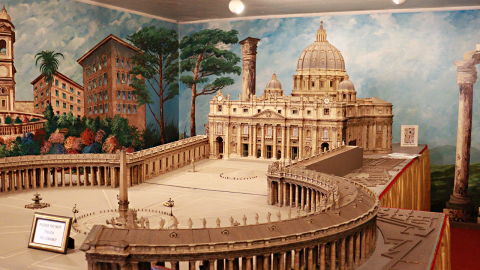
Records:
x=185, y=11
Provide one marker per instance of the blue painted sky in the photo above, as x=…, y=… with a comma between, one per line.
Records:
x=71, y=28
x=404, y=58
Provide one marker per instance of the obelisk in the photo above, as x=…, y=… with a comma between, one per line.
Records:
x=249, y=53
x=460, y=207
x=123, y=196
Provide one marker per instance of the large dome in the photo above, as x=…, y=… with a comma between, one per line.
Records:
x=274, y=83
x=321, y=54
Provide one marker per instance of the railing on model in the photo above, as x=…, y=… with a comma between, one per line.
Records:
x=30, y=172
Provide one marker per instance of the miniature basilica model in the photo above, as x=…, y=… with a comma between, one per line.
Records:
x=322, y=113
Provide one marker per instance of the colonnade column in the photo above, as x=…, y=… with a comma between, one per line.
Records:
x=363, y=247
x=291, y=195
x=322, y=257
x=342, y=254
x=333, y=256
x=250, y=140
x=357, y=249
x=307, y=200
x=285, y=197
x=350, y=252
x=280, y=188
x=296, y=263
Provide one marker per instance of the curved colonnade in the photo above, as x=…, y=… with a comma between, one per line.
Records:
x=337, y=233
x=35, y=172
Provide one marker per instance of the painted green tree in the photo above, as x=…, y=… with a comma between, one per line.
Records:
x=48, y=65
x=157, y=66
x=202, y=56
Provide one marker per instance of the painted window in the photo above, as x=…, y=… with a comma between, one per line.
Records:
x=100, y=95
x=95, y=109
x=118, y=62
x=104, y=61
x=71, y=90
x=71, y=107
x=94, y=83
x=41, y=85
x=128, y=79
x=105, y=95
x=124, y=108
x=64, y=105
x=245, y=129
x=219, y=129
x=35, y=88
x=71, y=98
x=128, y=64
x=106, y=107
x=129, y=109
x=57, y=93
x=56, y=82
x=123, y=78
x=78, y=109
x=89, y=87
x=89, y=99
x=3, y=47
x=94, y=97
x=134, y=109
x=101, y=108
x=64, y=96
x=100, y=80
x=295, y=132
x=129, y=96
x=78, y=93
x=325, y=133
x=94, y=68
x=269, y=131
x=118, y=78
x=90, y=110
x=326, y=111
x=123, y=63
x=105, y=79
x=123, y=95
x=118, y=108
x=78, y=101
x=64, y=86
x=118, y=95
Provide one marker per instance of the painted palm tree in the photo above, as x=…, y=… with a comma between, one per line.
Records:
x=48, y=65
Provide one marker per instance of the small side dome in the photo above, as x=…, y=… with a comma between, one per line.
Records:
x=274, y=83
x=346, y=84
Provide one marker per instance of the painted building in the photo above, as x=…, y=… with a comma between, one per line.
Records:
x=65, y=95
x=7, y=67
x=106, y=82
x=322, y=113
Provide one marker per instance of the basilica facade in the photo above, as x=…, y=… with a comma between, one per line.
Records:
x=322, y=113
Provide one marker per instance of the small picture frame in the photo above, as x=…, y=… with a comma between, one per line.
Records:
x=50, y=232
x=409, y=136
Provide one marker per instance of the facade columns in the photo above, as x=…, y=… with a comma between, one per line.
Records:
x=289, y=154
x=363, y=247
x=63, y=176
x=310, y=258
x=262, y=144
x=274, y=139
x=226, y=149
x=283, y=129
x=314, y=139
x=300, y=143
x=284, y=193
x=288, y=260
x=239, y=141
x=254, y=148
x=291, y=195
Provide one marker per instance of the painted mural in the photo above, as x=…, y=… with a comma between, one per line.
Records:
x=405, y=58
x=90, y=77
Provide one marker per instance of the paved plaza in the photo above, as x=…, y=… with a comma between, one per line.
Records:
x=218, y=189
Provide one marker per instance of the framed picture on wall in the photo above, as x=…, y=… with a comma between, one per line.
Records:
x=409, y=135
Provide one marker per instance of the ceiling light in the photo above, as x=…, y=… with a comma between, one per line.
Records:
x=236, y=6
x=399, y=2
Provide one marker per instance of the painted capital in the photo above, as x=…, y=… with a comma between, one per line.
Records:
x=466, y=71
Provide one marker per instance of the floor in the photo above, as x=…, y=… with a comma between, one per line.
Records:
x=465, y=247
x=197, y=195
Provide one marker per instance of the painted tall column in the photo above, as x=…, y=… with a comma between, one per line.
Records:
x=249, y=53
x=123, y=197
x=460, y=207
